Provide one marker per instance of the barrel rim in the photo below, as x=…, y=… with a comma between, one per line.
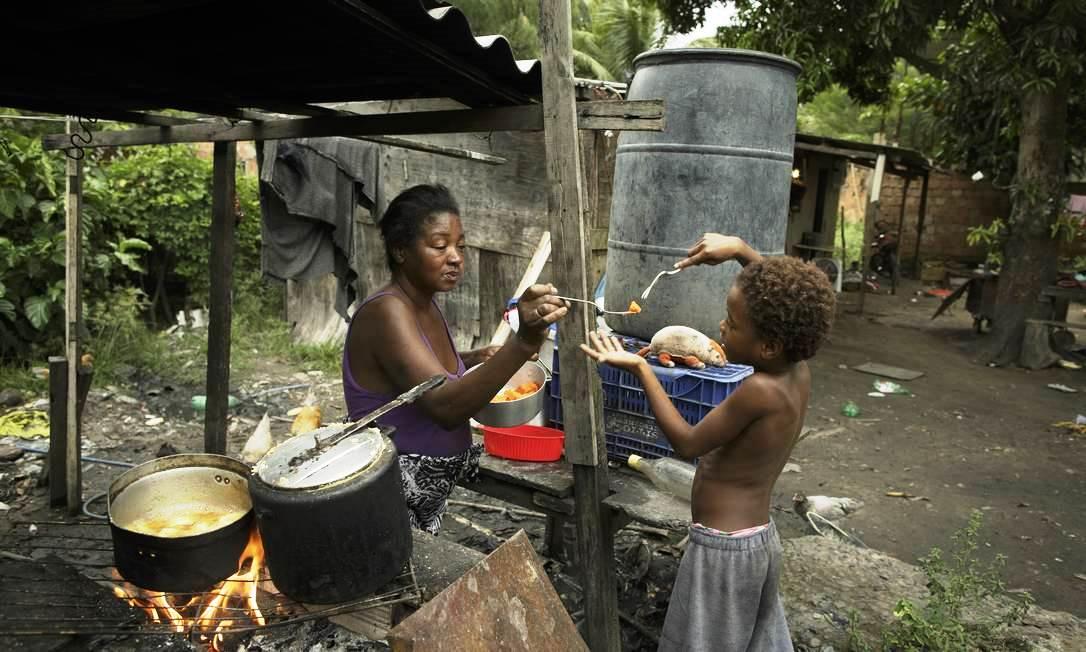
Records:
x=686, y=55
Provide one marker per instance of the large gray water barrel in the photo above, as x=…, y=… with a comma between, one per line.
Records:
x=722, y=164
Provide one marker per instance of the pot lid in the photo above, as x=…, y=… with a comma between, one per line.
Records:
x=352, y=455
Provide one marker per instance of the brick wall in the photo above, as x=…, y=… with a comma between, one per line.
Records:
x=955, y=203
x=246, y=154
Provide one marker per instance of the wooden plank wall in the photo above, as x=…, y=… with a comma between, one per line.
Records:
x=504, y=210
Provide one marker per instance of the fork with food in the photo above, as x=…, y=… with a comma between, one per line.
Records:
x=632, y=309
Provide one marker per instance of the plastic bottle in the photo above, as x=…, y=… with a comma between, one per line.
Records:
x=672, y=476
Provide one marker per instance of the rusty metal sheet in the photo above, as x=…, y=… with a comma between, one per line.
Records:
x=506, y=602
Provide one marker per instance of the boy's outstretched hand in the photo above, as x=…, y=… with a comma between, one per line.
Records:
x=608, y=350
x=713, y=249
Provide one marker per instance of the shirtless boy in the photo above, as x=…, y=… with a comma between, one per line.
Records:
x=779, y=312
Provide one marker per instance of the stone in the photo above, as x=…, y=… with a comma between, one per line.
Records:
x=10, y=398
x=836, y=579
x=10, y=453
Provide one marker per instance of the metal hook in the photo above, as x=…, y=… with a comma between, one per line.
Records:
x=76, y=151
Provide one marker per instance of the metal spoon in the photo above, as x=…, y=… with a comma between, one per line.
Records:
x=597, y=307
x=319, y=445
x=666, y=272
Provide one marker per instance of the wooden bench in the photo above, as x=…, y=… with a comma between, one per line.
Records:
x=1037, y=346
x=548, y=488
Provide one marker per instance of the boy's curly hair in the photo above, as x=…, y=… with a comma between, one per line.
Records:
x=789, y=301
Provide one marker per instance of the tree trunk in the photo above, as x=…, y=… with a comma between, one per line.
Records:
x=1029, y=254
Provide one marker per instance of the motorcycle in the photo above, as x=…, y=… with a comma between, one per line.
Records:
x=883, y=261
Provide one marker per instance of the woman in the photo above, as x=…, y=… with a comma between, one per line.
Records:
x=398, y=338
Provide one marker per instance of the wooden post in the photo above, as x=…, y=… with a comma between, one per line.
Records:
x=900, y=225
x=920, y=223
x=220, y=312
x=73, y=309
x=58, y=431
x=582, y=406
x=871, y=213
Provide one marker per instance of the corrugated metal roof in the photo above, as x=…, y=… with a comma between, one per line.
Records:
x=207, y=56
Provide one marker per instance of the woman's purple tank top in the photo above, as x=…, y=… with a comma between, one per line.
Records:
x=415, y=431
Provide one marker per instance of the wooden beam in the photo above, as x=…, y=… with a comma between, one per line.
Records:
x=220, y=310
x=636, y=115
x=58, y=431
x=118, y=115
x=583, y=405
x=441, y=150
x=313, y=111
x=621, y=115
x=871, y=213
x=73, y=315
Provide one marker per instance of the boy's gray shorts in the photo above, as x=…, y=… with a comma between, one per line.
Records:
x=725, y=596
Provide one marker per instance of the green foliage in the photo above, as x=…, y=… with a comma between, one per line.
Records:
x=146, y=215
x=975, y=58
x=162, y=193
x=120, y=338
x=32, y=244
x=831, y=112
x=968, y=609
x=1068, y=227
x=516, y=20
x=684, y=15
x=625, y=29
x=992, y=236
x=607, y=34
x=21, y=378
x=854, y=241
x=961, y=585
x=32, y=254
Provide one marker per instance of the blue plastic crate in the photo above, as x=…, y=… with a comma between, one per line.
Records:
x=628, y=422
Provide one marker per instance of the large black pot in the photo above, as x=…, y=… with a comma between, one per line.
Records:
x=337, y=535
x=147, y=503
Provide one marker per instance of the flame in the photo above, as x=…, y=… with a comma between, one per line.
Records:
x=233, y=600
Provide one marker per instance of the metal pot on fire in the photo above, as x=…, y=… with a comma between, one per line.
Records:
x=332, y=515
x=180, y=523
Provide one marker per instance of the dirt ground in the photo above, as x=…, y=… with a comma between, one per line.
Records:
x=970, y=437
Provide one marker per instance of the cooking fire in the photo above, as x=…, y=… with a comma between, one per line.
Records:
x=205, y=616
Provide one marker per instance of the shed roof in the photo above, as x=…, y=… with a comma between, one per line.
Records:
x=221, y=57
x=864, y=153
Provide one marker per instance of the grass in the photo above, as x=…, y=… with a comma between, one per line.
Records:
x=256, y=337
x=854, y=236
x=968, y=607
x=123, y=345
x=22, y=379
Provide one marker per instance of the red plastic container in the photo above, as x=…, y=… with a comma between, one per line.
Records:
x=525, y=443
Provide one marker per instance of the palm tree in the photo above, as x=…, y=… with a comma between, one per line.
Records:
x=607, y=34
x=516, y=20
x=625, y=29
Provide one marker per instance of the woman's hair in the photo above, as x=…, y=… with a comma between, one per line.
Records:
x=409, y=211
